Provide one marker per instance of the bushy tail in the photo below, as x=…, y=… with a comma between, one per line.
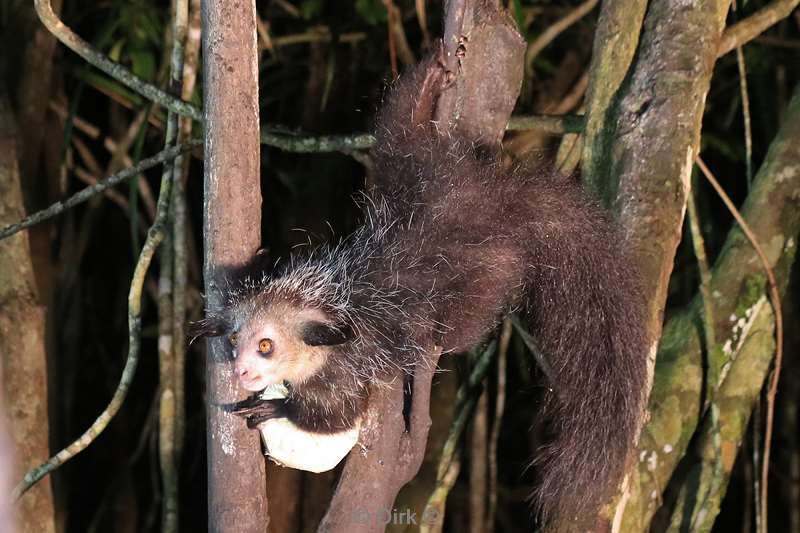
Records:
x=583, y=297
x=588, y=316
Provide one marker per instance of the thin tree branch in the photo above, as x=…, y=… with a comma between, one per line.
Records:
x=422, y=19
x=166, y=353
x=433, y=516
x=315, y=35
x=303, y=143
x=478, y=439
x=390, y=36
x=317, y=144
x=698, y=244
x=555, y=30
x=751, y=27
x=90, y=179
x=70, y=39
x=466, y=399
x=264, y=38
x=83, y=195
x=449, y=461
x=400, y=42
x=87, y=156
x=81, y=124
x=499, y=407
x=756, y=436
x=748, y=134
x=288, y=7
x=180, y=226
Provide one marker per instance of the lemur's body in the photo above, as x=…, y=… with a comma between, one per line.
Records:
x=451, y=242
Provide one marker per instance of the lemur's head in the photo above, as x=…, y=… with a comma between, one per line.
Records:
x=276, y=341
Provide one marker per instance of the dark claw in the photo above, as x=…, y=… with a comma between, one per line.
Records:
x=254, y=421
x=256, y=410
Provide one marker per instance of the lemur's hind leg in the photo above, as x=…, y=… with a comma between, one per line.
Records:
x=435, y=80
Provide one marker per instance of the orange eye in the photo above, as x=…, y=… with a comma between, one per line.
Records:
x=265, y=346
x=233, y=338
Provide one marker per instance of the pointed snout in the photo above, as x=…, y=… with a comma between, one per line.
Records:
x=251, y=378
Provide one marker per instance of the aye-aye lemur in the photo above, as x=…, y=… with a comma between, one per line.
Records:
x=453, y=241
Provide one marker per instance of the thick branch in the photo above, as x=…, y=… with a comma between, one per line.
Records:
x=734, y=401
x=615, y=42
x=651, y=73
x=232, y=234
x=771, y=211
x=387, y=456
x=23, y=363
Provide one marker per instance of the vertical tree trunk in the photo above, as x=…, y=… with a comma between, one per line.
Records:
x=23, y=372
x=6, y=467
x=232, y=232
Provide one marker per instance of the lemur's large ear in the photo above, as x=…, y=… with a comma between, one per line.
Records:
x=211, y=326
x=316, y=333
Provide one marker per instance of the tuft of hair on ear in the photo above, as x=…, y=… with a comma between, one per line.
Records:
x=315, y=333
x=211, y=326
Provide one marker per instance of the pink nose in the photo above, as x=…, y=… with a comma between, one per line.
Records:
x=242, y=371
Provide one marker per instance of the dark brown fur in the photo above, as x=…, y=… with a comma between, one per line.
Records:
x=534, y=241
x=452, y=243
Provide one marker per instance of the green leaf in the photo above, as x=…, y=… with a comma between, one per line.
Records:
x=311, y=8
x=116, y=50
x=516, y=11
x=143, y=63
x=372, y=11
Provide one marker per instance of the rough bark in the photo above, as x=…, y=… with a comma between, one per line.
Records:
x=7, y=524
x=23, y=370
x=615, y=42
x=386, y=458
x=415, y=494
x=644, y=114
x=33, y=99
x=231, y=223
x=284, y=489
x=478, y=38
x=484, y=51
x=737, y=286
x=651, y=134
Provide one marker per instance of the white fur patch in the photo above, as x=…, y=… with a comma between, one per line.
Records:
x=288, y=445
